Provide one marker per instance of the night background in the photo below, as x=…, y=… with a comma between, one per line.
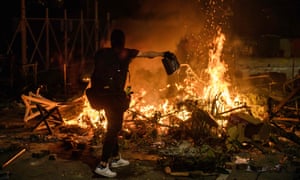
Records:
x=185, y=27
x=246, y=17
x=236, y=91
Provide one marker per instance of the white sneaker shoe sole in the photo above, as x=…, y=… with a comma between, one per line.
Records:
x=120, y=163
x=105, y=172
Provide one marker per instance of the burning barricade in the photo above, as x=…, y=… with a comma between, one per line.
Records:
x=196, y=129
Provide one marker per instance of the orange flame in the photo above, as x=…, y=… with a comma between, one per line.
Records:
x=215, y=92
x=89, y=116
x=217, y=68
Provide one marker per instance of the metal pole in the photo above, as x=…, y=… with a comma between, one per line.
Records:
x=14, y=158
x=23, y=33
x=47, y=40
x=96, y=27
x=65, y=50
x=108, y=26
x=81, y=36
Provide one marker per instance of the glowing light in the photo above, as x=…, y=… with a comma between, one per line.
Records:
x=89, y=116
x=212, y=95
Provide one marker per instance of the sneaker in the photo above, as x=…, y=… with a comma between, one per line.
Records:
x=105, y=172
x=119, y=162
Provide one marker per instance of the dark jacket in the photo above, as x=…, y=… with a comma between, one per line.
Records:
x=111, y=68
x=109, y=78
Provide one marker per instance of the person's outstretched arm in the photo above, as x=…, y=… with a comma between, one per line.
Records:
x=150, y=54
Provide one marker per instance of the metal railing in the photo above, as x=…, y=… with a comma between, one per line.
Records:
x=56, y=41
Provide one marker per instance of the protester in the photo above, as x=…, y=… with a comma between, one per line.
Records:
x=107, y=92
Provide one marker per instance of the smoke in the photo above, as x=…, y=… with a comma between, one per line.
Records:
x=159, y=25
x=162, y=26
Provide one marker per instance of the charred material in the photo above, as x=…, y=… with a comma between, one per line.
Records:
x=284, y=115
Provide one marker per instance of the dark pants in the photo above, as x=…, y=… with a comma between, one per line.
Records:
x=114, y=105
x=114, y=114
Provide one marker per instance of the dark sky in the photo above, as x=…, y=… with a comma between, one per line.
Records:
x=248, y=18
x=254, y=17
x=249, y=15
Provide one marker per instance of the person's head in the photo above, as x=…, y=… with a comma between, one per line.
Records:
x=117, y=38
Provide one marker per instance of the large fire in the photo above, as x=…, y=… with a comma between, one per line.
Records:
x=217, y=91
x=214, y=99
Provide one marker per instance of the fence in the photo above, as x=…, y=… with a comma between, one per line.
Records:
x=56, y=43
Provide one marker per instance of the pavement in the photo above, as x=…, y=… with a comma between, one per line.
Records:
x=35, y=154
x=27, y=154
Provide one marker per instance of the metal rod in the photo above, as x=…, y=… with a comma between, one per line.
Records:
x=23, y=33
x=13, y=158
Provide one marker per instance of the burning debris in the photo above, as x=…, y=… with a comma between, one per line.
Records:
x=193, y=131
